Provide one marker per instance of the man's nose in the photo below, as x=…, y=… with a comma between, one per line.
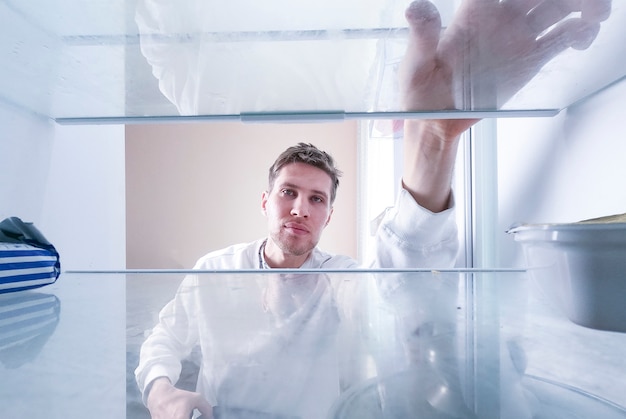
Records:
x=300, y=208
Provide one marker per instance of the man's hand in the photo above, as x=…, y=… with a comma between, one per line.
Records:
x=490, y=50
x=168, y=402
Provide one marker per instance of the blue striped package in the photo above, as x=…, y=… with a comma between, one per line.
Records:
x=23, y=266
x=27, y=259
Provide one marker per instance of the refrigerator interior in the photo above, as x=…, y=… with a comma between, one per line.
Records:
x=75, y=73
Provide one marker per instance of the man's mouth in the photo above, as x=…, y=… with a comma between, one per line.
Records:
x=296, y=228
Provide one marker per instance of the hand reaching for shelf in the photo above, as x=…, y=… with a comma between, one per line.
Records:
x=491, y=48
x=490, y=51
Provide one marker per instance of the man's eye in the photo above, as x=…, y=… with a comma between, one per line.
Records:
x=287, y=192
x=317, y=199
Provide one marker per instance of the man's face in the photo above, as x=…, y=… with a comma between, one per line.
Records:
x=297, y=208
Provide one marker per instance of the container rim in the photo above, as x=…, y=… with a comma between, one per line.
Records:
x=567, y=227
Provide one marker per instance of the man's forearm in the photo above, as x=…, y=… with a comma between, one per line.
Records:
x=430, y=148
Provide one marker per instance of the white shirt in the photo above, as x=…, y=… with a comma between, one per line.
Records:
x=254, y=331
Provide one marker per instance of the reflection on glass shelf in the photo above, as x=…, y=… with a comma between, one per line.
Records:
x=27, y=320
x=286, y=345
x=545, y=400
x=446, y=344
x=123, y=60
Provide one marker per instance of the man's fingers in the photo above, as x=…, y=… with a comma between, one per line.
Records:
x=574, y=33
x=550, y=12
x=596, y=10
x=425, y=27
x=205, y=408
x=585, y=37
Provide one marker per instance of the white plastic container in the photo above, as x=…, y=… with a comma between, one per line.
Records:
x=582, y=267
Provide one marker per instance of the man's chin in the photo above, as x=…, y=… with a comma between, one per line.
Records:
x=296, y=249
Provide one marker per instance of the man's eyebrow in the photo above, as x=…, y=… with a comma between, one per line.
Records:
x=294, y=186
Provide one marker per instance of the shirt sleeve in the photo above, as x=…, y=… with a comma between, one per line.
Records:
x=170, y=341
x=410, y=236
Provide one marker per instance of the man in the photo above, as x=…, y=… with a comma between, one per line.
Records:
x=505, y=44
x=302, y=186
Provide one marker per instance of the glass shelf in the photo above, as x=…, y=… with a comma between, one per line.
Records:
x=456, y=343
x=130, y=61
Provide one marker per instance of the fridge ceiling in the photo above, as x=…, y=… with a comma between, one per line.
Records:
x=120, y=60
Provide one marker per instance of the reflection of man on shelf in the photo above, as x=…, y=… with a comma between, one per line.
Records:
x=505, y=42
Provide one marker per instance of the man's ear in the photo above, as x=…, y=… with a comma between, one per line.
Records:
x=264, y=198
x=330, y=214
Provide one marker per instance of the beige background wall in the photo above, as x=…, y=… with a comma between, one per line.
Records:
x=193, y=188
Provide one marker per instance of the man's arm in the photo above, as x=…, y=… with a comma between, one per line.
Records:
x=502, y=45
x=170, y=341
x=429, y=154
